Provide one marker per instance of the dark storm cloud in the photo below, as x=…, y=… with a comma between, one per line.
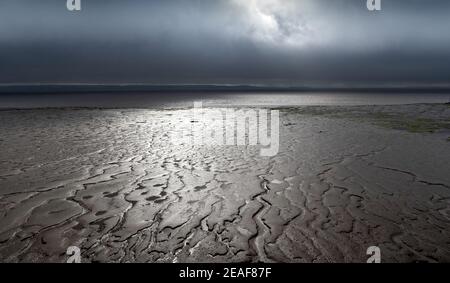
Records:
x=225, y=41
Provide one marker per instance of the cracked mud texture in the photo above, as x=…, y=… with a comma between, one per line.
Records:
x=109, y=182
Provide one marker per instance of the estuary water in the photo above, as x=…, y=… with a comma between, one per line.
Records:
x=214, y=99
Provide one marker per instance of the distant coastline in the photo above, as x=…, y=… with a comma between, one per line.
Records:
x=117, y=88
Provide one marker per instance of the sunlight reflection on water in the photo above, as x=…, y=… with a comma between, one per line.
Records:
x=211, y=99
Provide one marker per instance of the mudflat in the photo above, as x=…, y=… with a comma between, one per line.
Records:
x=110, y=182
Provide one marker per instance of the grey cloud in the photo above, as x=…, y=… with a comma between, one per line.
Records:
x=225, y=41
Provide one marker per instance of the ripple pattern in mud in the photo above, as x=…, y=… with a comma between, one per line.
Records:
x=109, y=182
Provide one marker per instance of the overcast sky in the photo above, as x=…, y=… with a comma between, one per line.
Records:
x=225, y=41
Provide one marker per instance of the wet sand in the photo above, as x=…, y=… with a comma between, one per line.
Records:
x=109, y=182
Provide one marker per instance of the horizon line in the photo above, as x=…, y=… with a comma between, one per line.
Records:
x=148, y=87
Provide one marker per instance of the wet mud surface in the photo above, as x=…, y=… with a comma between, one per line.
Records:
x=111, y=183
